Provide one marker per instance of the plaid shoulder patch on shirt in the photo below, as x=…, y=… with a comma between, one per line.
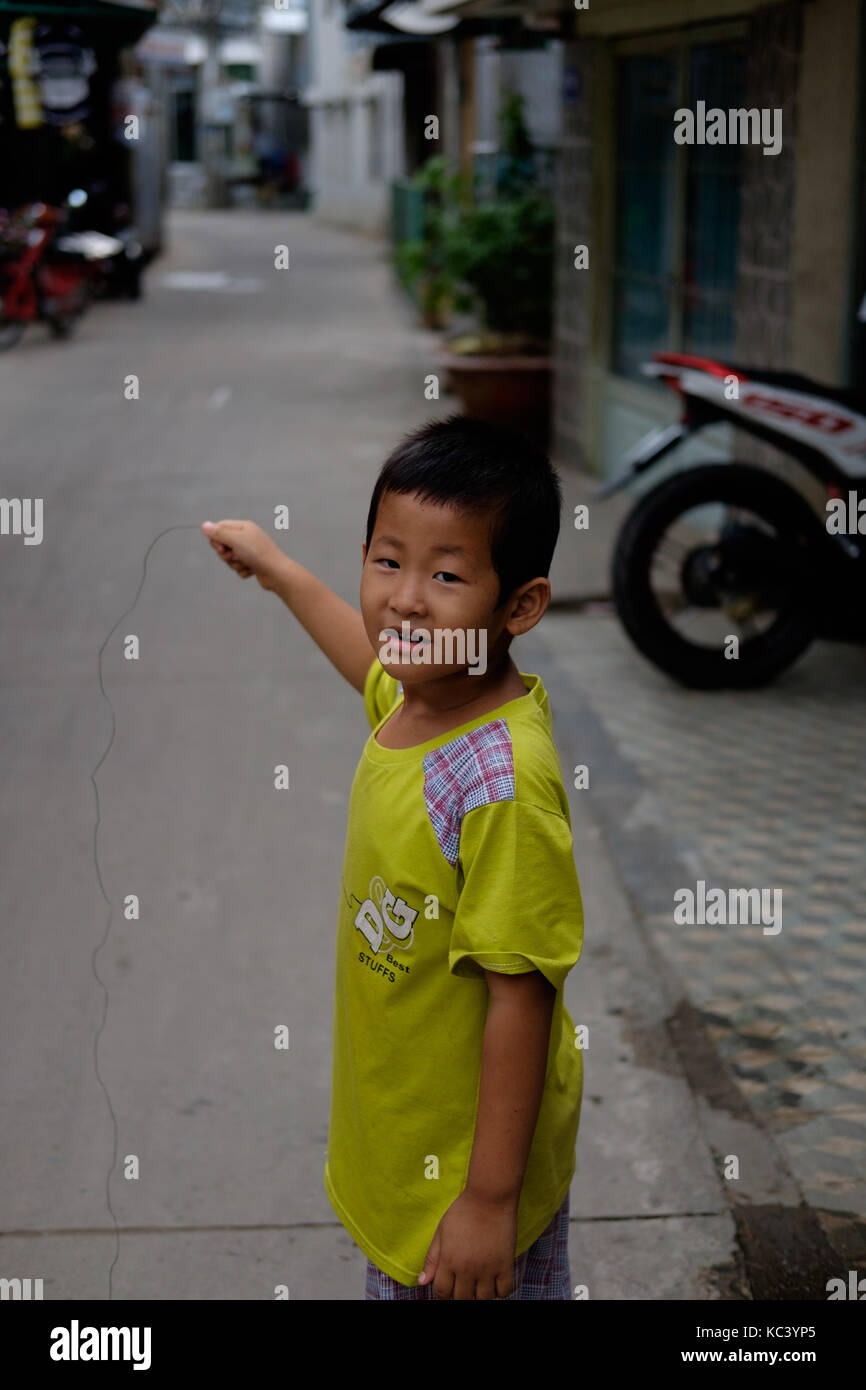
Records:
x=473, y=770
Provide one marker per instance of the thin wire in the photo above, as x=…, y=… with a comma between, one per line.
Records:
x=97, y=949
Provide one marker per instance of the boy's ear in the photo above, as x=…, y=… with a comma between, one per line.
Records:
x=528, y=605
x=363, y=551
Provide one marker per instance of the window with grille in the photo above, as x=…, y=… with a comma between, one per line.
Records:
x=677, y=207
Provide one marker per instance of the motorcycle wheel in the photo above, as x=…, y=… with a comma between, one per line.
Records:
x=65, y=321
x=65, y=325
x=11, y=332
x=749, y=570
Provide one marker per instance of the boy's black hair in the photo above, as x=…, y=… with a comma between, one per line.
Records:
x=467, y=463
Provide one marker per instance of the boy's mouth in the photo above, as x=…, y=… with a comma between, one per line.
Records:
x=406, y=637
x=408, y=649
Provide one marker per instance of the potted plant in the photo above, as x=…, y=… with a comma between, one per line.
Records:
x=420, y=261
x=499, y=256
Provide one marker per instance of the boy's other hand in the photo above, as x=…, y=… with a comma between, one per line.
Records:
x=471, y=1255
x=246, y=549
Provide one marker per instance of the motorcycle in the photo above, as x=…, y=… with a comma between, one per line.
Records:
x=723, y=574
x=46, y=274
x=120, y=275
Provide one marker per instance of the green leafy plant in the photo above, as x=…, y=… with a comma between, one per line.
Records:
x=491, y=256
x=516, y=172
x=500, y=254
x=421, y=262
x=501, y=250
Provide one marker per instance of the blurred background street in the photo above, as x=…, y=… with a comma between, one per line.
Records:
x=255, y=386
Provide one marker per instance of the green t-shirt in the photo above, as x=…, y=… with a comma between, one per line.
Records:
x=458, y=856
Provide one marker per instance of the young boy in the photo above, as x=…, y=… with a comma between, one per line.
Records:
x=457, y=1081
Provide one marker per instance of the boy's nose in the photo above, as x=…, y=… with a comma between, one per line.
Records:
x=407, y=600
x=408, y=612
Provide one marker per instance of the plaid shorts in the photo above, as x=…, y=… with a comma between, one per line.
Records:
x=542, y=1271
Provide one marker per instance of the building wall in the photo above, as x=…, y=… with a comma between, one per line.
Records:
x=356, y=123
x=580, y=209
x=794, y=303
x=764, y=275
x=763, y=312
x=826, y=193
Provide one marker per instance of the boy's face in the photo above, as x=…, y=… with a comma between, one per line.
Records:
x=429, y=567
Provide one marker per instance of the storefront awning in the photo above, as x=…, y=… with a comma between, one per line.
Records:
x=540, y=14
x=131, y=18
x=431, y=19
x=422, y=19
x=505, y=9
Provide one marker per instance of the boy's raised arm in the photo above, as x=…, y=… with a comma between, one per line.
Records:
x=334, y=625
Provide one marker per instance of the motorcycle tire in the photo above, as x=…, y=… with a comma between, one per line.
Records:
x=65, y=325
x=64, y=318
x=761, y=658
x=11, y=332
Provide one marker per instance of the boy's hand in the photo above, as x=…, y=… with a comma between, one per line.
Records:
x=334, y=625
x=472, y=1253
x=245, y=547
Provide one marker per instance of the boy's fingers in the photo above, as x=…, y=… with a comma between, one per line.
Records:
x=431, y=1264
x=464, y=1289
x=215, y=530
x=443, y=1287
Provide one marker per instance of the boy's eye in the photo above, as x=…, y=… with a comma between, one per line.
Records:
x=444, y=574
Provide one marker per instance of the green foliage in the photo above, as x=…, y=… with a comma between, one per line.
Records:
x=516, y=172
x=501, y=254
x=495, y=256
x=422, y=262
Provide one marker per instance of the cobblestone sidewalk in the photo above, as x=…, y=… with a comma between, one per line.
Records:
x=762, y=789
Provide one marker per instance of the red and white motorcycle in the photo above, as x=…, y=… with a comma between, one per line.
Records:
x=724, y=573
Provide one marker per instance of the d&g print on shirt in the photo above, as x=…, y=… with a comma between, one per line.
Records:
x=385, y=920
